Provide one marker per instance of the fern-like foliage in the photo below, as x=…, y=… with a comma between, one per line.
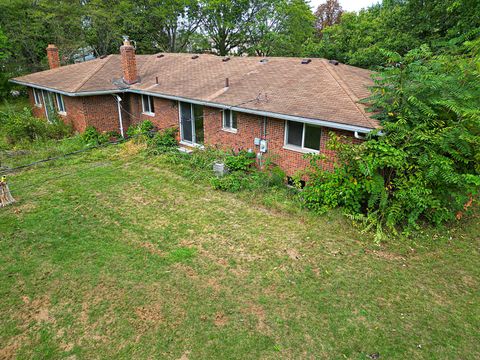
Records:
x=425, y=166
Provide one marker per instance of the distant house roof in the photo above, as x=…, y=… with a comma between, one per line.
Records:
x=318, y=90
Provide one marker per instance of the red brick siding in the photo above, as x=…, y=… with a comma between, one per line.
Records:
x=251, y=126
x=166, y=112
x=38, y=111
x=101, y=112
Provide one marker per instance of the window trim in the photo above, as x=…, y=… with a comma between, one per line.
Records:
x=193, y=143
x=301, y=148
x=148, y=111
x=36, y=98
x=57, y=98
x=230, y=128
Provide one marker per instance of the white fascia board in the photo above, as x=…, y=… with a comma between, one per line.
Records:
x=81, y=93
x=325, y=123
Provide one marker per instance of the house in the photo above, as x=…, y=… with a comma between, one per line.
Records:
x=277, y=107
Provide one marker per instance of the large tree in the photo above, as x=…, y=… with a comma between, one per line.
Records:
x=328, y=14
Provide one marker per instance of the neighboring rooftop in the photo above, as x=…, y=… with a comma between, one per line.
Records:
x=315, y=90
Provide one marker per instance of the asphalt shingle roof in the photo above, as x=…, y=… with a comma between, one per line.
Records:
x=318, y=90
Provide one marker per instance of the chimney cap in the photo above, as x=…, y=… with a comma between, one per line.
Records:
x=126, y=40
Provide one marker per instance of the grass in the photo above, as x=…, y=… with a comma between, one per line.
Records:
x=112, y=254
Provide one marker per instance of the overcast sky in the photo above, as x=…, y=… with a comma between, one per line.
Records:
x=348, y=5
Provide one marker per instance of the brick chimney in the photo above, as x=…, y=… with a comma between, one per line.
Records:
x=129, y=64
x=52, y=55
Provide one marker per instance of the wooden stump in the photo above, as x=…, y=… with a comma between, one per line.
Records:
x=5, y=195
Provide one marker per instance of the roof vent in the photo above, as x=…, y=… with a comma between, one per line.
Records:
x=334, y=62
x=264, y=61
x=159, y=56
x=103, y=56
x=225, y=59
x=306, y=61
x=195, y=57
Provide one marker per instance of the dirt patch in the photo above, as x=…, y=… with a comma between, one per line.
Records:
x=184, y=355
x=220, y=319
x=293, y=254
x=151, y=313
x=151, y=248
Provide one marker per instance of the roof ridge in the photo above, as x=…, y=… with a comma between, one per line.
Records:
x=99, y=66
x=349, y=93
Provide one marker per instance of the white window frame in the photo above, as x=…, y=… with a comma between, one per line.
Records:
x=194, y=136
x=229, y=128
x=60, y=104
x=302, y=148
x=36, y=98
x=145, y=110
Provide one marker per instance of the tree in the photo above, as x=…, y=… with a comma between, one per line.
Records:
x=328, y=14
x=425, y=167
x=226, y=23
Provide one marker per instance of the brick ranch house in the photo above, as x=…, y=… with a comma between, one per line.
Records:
x=277, y=107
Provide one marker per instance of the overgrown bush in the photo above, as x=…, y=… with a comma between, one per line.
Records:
x=243, y=161
x=163, y=141
x=91, y=136
x=143, y=128
x=17, y=126
x=425, y=167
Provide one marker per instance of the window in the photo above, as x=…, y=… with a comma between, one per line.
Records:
x=302, y=136
x=60, y=104
x=229, y=120
x=36, y=97
x=147, y=105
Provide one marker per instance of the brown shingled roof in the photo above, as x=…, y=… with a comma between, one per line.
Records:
x=318, y=90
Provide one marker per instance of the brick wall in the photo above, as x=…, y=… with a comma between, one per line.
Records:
x=102, y=113
x=273, y=130
x=166, y=112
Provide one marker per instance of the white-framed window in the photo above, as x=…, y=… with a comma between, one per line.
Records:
x=147, y=105
x=60, y=104
x=37, y=97
x=302, y=137
x=229, y=120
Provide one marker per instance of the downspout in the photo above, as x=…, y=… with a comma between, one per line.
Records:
x=120, y=114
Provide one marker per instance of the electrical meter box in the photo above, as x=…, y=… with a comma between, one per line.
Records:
x=263, y=146
x=256, y=141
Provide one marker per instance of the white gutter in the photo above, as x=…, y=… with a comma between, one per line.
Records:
x=81, y=93
x=120, y=114
x=325, y=123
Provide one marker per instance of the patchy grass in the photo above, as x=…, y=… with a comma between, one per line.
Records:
x=114, y=255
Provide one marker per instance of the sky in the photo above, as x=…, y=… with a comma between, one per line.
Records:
x=348, y=5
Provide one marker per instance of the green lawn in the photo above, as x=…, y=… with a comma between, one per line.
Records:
x=111, y=255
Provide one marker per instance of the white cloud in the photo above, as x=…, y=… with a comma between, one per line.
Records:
x=348, y=5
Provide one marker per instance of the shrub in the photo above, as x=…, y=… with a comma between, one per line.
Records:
x=145, y=128
x=91, y=136
x=17, y=126
x=425, y=166
x=243, y=161
x=163, y=141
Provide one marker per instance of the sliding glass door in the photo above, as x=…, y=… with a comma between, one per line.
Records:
x=191, y=123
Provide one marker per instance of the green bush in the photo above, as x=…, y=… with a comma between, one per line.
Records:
x=144, y=128
x=243, y=161
x=91, y=136
x=425, y=165
x=17, y=126
x=163, y=141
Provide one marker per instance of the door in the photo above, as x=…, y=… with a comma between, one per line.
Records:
x=49, y=105
x=186, y=122
x=191, y=123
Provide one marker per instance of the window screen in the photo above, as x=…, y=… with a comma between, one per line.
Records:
x=312, y=137
x=294, y=133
